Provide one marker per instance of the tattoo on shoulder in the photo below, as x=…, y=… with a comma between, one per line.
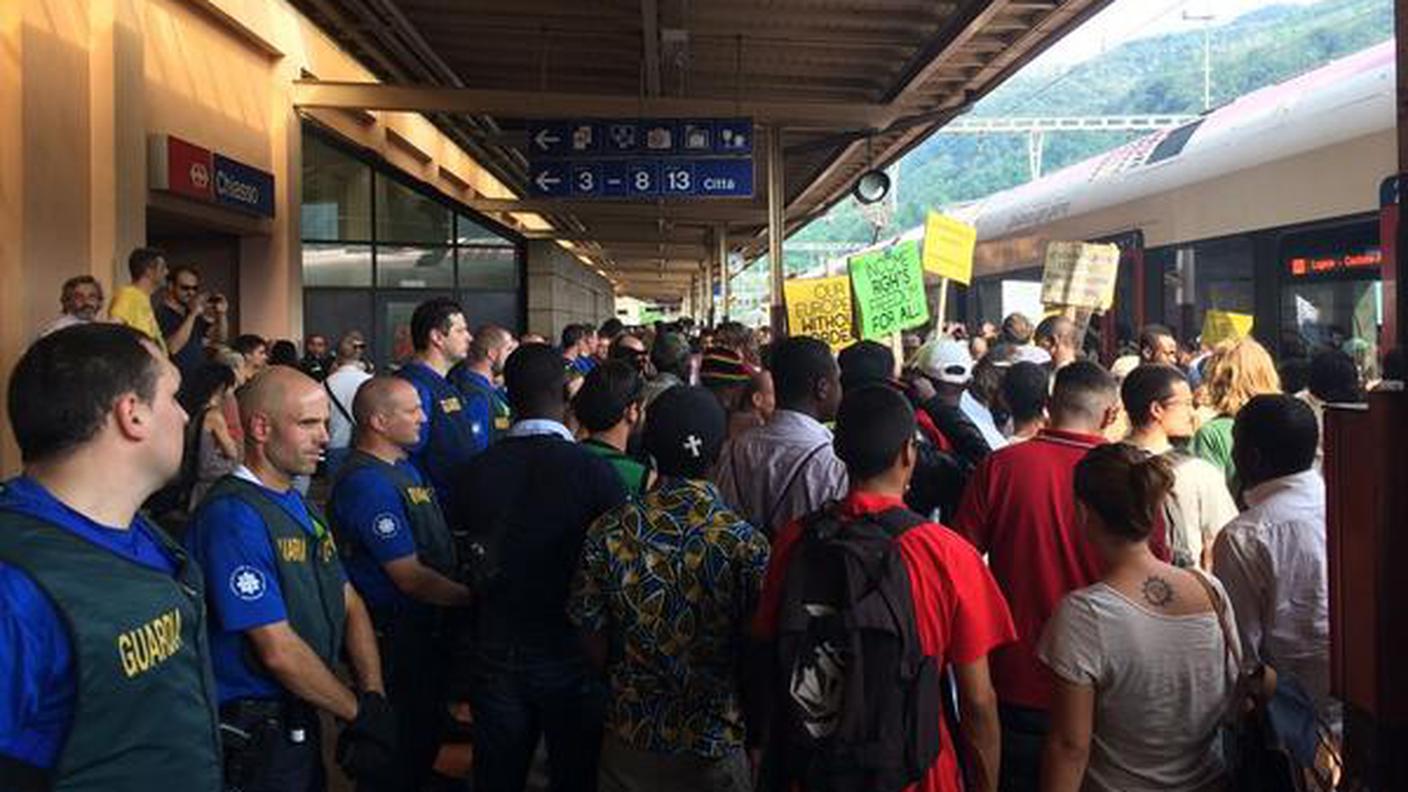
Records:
x=1157, y=591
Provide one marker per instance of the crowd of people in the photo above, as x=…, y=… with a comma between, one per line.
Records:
x=678, y=557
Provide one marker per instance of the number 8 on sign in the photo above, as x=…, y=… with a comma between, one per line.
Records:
x=643, y=178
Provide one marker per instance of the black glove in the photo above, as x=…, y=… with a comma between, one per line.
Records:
x=366, y=749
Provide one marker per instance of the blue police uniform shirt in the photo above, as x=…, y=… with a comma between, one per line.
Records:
x=231, y=544
x=427, y=405
x=479, y=407
x=37, y=688
x=583, y=364
x=373, y=529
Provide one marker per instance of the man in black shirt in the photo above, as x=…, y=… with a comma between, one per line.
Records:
x=188, y=317
x=526, y=502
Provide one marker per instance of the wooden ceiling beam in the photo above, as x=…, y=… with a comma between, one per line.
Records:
x=676, y=212
x=547, y=104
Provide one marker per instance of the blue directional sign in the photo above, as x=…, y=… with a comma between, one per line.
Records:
x=613, y=180
x=586, y=179
x=723, y=178
x=733, y=136
x=551, y=180
x=643, y=178
x=641, y=158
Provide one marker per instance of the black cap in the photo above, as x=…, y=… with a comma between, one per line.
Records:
x=866, y=363
x=684, y=430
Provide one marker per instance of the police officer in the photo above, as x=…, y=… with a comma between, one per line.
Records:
x=474, y=376
x=441, y=339
x=400, y=556
x=283, y=610
x=87, y=583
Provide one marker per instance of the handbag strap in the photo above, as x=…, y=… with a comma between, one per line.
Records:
x=332, y=397
x=1230, y=658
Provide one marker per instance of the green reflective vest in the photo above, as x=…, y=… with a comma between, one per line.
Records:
x=310, y=574
x=144, y=716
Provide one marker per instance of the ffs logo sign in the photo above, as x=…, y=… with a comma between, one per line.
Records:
x=200, y=175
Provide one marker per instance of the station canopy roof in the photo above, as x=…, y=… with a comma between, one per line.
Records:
x=853, y=84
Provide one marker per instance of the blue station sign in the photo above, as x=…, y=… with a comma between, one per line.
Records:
x=650, y=158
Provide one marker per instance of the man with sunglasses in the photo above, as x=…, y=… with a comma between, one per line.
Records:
x=189, y=317
x=349, y=371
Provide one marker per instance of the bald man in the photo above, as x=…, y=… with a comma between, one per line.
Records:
x=477, y=376
x=283, y=611
x=401, y=558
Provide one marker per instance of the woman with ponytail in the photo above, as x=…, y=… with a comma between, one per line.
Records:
x=1142, y=668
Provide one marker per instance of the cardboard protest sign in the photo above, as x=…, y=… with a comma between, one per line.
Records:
x=1219, y=326
x=889, y=289
x=820, y=308
x=1080, y=275
x=948, y=247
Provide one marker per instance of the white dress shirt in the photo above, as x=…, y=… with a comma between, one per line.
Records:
x=1271, y=559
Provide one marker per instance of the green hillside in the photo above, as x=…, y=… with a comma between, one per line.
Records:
x=1162, y=74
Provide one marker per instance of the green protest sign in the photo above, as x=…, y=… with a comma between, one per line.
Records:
x=889, y=289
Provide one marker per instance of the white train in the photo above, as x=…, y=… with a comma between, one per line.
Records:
x=1269, y=206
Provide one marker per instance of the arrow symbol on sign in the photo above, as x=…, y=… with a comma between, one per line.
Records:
x=544, y=139
x=546, y=180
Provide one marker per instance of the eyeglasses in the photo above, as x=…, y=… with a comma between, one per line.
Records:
x=187, y=287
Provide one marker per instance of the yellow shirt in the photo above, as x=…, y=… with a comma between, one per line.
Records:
x=133, y=307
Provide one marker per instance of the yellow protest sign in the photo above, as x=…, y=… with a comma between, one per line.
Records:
x=948, y=247
x=820, y=308
x=1219, y=326
x=1080, y=275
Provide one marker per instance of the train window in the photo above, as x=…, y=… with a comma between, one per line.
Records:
x=1331, y=292
x=1216, y=274
x=1173, y=142
x=1333, y=314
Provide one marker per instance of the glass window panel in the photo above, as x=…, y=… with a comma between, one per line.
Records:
x=393, y=332
x=337, y=193
x=334, y=312
x=1334, y=314
x=404, y=215
x=1216, y=274
x=500, y=308
x=469, y=232
x=489, y=268
x=337, y=264
x=415, y=267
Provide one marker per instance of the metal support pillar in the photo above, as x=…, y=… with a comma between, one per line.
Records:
x=708, y=293
x=721, y=250
x=777, y=201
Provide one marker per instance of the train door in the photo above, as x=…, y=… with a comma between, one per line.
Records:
x=1331, y=291
x=1183, y=281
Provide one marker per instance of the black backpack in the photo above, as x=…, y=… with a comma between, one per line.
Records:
x=859, y=701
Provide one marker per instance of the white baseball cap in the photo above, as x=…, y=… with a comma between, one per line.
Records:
x=945, y=360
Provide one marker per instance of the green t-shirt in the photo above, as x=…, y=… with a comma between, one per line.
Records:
x=1213, y=442
x=632, y=471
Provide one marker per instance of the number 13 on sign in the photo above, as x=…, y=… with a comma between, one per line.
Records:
x=678, y=178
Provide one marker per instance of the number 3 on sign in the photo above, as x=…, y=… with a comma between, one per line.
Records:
x=679, y=179
x=585, y=180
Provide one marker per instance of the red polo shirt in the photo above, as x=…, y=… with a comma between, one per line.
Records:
x=1019, y=509
x=958, y=609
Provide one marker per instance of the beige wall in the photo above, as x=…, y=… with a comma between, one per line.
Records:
x=561, y=291
x=82, y=85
